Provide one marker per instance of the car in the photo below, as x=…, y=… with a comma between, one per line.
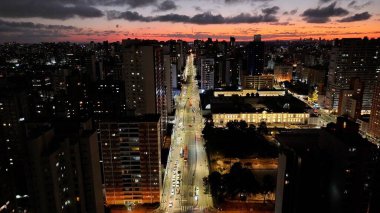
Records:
x=171, y=204
x=172, y=192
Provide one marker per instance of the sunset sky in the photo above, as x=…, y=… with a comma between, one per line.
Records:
x=114, y=20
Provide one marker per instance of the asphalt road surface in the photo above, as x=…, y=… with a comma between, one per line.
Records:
x=183, y=189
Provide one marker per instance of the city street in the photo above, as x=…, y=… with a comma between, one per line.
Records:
x=325, y=116
x=183, y=189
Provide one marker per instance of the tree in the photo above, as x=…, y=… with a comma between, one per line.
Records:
x=231, y=125
x=240, y=181
x=252, y=127
x=263, y=129
x=215, y=181
x=269, y=185
x=243, y=124
x=208, y=130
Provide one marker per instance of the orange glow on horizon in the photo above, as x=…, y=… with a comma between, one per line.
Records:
x=242, y=32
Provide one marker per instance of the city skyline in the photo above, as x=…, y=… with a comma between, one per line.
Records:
x=98, y=20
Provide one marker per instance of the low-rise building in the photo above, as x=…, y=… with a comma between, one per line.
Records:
x=250, y=92
x=276, y=111
x=264, y=81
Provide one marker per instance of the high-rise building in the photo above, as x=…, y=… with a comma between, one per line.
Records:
x=255, y=56
x=131, y=155
x=169, y=79
x=352, y=58
x=350, y=100
x=207, y=73
x=13, y=163
x=64, y=167
x=374, y=120
x=108, y=97
x=327, y=170
x=232, y=42
x=144, y=77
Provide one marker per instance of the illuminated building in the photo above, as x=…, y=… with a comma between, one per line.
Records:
x=207, y=73
x=352, y=58
x=144, y=76
x=260, y=82
x=258, y=117
x=255, y=60
x=350, y=100
x=64, y=167
x=274, y=110
x=374, y=120
x=246, y=92
x=13, y=113
x=131, y=155
x=283, y=73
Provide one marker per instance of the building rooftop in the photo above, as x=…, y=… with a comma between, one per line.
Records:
x=276, y=104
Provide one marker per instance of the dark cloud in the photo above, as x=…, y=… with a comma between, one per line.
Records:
x=197, y=8
x=30, y=32
x=166, y=5
x=138, y=3
x=201, y=18
x=351, y=3
x=9, y=25
x=357, y=17
x=325, y=1
x=270, y=10
x=356, y=6
x=293, y=12
x=128, y=15
x=239, y=1
x=323, y=14
x=282, y=24
x=46, y=9
x=168, y=18
x=130, y=3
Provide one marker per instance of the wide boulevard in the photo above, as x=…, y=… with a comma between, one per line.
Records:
x=183, y=189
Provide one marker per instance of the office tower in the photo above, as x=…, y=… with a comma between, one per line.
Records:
x=207, y=73
x=255, y=56
x=328, y=170
x=352, y=58
x=131, y=155
x=374, y=119
x=144, y=74
x=64, y=167
x=350, y=100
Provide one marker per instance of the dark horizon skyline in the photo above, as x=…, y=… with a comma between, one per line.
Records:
x=98, y=20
